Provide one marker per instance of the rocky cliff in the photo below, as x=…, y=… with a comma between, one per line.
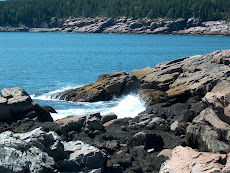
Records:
x=190, y=26
x=148, y=26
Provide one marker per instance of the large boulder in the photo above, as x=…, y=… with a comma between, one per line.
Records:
x=147, y=140
x=108, y=117
x=106, y=87
x=186, y=77
x=74, y=125
x=174, y=81
x=94, y=124
x=25, y=152
x=82, y=157
x=185, y=159
x=209, y=131
x=91, y=124
x=16, y=104
x=174, y=90
x=39, y=151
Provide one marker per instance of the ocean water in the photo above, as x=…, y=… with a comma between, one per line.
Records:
x=45, y=63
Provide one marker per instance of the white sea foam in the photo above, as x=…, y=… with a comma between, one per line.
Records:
x=127, y=106
x=51, y=95
x=69, y=112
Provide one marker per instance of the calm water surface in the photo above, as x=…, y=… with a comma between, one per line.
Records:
x=47, y=62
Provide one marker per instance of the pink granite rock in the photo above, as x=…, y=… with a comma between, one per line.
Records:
x=188, y=160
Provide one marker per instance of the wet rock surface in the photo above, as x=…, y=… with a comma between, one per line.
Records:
x=106, y=87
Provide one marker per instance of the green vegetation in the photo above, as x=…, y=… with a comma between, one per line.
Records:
x=33, y=12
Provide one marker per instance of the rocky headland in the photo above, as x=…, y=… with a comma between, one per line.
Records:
x=185, y=127
x=190, y=26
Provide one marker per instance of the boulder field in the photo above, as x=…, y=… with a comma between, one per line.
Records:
x=185, y=127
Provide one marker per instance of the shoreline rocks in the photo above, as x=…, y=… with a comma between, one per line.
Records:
x=191, y=26
x=105, y=88
x=16, y=104
x=186, y=122
x=185, y=159
x=38, y=151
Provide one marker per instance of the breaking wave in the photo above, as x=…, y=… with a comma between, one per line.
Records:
x=127, y=106
x=53, y=94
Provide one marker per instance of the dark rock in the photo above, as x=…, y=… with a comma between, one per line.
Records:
x=26, y=125
x=94, y=124
x=179, y=24
x=16, y=104
x=103, y=25
x=208, y=133
x=157, y=123
x=116, y=168
x=135, y=25
x=110, y=146
x=49, y=109
x=75, y=125
x=108, y=117
x=153, y=26
x=43, y=114
x=193, y=22
x=147, y=140
x=94, y=114
x=106, y=87
x=178, y=128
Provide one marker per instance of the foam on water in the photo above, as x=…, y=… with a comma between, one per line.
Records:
x=51, y=95
x=127, y=106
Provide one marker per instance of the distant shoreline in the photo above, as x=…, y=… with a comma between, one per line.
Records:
x=190, y=26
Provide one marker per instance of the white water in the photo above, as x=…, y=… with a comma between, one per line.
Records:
x=127, y=106
x=49, y=95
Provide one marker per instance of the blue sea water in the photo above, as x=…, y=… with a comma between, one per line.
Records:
x=44, y=63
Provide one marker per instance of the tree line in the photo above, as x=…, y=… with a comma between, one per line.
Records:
x=32, y=12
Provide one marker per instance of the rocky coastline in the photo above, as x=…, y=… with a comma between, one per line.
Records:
x=185, y=127
x=120, y=25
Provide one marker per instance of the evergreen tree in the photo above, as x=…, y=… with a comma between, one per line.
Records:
x=33, y=12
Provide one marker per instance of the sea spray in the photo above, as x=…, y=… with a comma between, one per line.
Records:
x=127, y=106
x=53, y=95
